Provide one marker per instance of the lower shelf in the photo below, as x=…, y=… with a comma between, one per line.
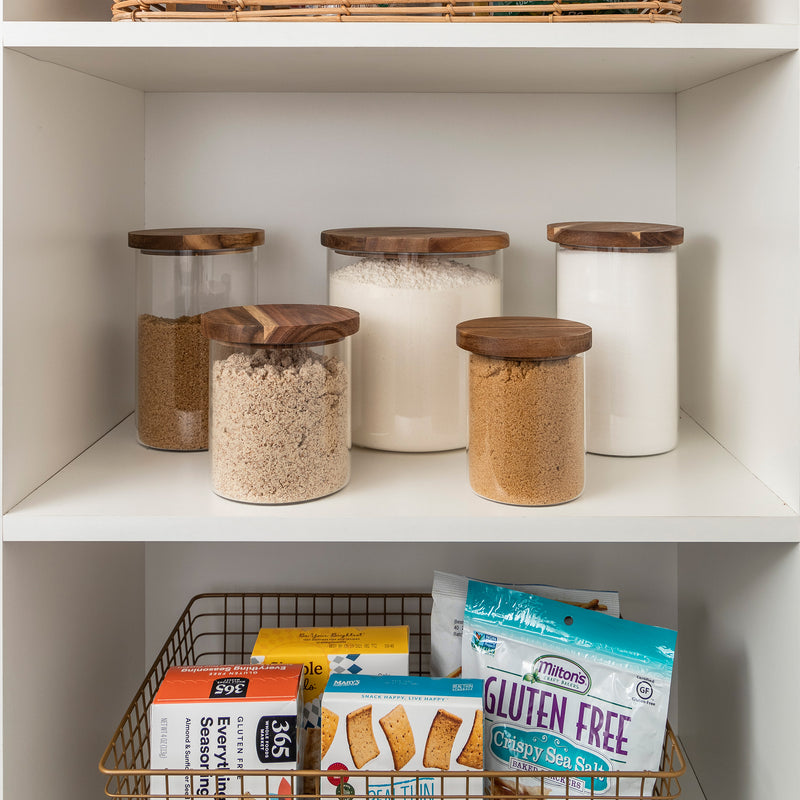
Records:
x=120, y=491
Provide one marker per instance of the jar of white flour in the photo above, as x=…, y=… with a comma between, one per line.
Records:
x=412, y=286
x=621, y=279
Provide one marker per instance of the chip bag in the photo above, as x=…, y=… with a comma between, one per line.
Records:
x=566, y=689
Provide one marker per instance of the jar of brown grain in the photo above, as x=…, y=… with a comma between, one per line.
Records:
x=526, y=426
x=180, y=274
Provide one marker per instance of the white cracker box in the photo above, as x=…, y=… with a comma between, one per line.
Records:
x=227, y=717
x=402, y=724
x=367, y=650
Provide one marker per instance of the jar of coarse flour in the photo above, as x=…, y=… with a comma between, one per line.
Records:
x=621, y=278
x=279, y=427
x=181, y=273
x=526, y=421
x=411, y=287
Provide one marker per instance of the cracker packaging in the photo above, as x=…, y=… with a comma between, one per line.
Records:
x=566, y=689
x=372, y=650
x=226, y=718
x=402, y=724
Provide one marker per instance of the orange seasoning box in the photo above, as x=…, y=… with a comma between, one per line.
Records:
x=231, y=717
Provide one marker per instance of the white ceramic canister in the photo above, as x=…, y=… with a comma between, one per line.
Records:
x=621, y=279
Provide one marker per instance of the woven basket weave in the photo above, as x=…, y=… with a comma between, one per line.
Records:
x=402, y=11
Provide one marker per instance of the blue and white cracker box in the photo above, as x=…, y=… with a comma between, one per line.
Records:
x=402, y=724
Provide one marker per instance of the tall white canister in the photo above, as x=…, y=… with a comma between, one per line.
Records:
x=621, y=279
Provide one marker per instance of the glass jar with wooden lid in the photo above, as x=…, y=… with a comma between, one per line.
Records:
x=526, y=428
x=622, y=279
x=279, y=383
x=411, y=286
x=181, y=273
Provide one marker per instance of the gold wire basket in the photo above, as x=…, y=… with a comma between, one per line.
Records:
x=221, y=629
x=403, y=11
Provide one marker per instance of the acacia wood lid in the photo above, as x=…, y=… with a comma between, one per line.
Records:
x=414, y=240
x=200, y=239
x=289, y=323
x=523, y=337
x=640, y=235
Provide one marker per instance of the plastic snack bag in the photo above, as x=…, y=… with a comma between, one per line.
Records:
x=567, y=689
x=447, y=615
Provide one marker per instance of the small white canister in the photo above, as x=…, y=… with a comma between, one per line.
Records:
x=621, y=279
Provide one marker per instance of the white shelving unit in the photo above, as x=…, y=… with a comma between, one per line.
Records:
x=296, y=128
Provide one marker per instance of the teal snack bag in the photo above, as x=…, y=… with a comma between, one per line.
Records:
x=566, y=689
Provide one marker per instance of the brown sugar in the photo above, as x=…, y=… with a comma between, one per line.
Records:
x=526, y=442
x=172, y=380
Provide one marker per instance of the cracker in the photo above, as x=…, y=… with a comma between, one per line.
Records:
x=471, y=754
x=360, y=739
x=330, y=722
x=398, y=732
x=440, y=740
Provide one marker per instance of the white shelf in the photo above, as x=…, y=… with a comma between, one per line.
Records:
x=402, y=57
x=118, y=490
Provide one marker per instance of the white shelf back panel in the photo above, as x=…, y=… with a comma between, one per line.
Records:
x=739, y=278
x=73, y=187
x=299, y=163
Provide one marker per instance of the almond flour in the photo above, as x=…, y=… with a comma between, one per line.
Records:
x=280, y=425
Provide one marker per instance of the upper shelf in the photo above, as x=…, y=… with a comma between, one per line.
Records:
x=402, y=57
x=118, y=491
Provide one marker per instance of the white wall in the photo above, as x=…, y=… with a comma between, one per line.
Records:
x=57, y=9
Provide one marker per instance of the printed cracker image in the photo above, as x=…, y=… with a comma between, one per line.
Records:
x=361, y=740
x=472, y=753
x=440, y=740
x=399, y=735
x=330, y=722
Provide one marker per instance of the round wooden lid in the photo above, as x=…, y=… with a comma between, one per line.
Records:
x=414, y=240
x=173, y=239
x=523, y=337
x=640, y=235
x=280, y=324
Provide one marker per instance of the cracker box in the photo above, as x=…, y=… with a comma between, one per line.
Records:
x=371, y=650
x=227, y=717
x=402, y=724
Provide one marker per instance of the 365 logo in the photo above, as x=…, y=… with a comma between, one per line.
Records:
x=484, y=642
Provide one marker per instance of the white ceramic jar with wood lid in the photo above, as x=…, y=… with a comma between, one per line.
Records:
x=411, y=286
x=526, y=420
x=181, y=273
x=279, y=384
x=621, y=278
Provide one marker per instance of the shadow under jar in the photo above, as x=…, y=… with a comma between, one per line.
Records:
x=279, y=382
x=411, y=286
x=526, y=427
x=180, y=274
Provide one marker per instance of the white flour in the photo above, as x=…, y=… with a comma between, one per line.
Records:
x=409, y=377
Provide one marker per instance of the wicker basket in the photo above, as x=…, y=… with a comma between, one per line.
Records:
x=402, y=11
x=221, y=629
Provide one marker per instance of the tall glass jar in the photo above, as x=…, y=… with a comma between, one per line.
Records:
x=181, y=273
x=621, y=278
x=526, y=435
x=411, y=286
x=280, y=401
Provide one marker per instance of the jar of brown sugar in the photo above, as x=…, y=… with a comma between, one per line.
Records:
x=181, y=273
x=526, y=426
x=280, y=401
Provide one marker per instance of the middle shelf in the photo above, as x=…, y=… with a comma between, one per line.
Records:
x=119, y=491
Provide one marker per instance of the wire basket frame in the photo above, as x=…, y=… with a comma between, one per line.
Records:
x=403, y=11
x=221, y=629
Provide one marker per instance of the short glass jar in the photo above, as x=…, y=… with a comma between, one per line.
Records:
x=526, y=434
x=411, y=286
x=621, y=278
x=181, y=273
x=279, y=382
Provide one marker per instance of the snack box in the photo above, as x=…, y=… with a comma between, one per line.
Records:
x=371, y=650
x=402, y=724
x=226, y=717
